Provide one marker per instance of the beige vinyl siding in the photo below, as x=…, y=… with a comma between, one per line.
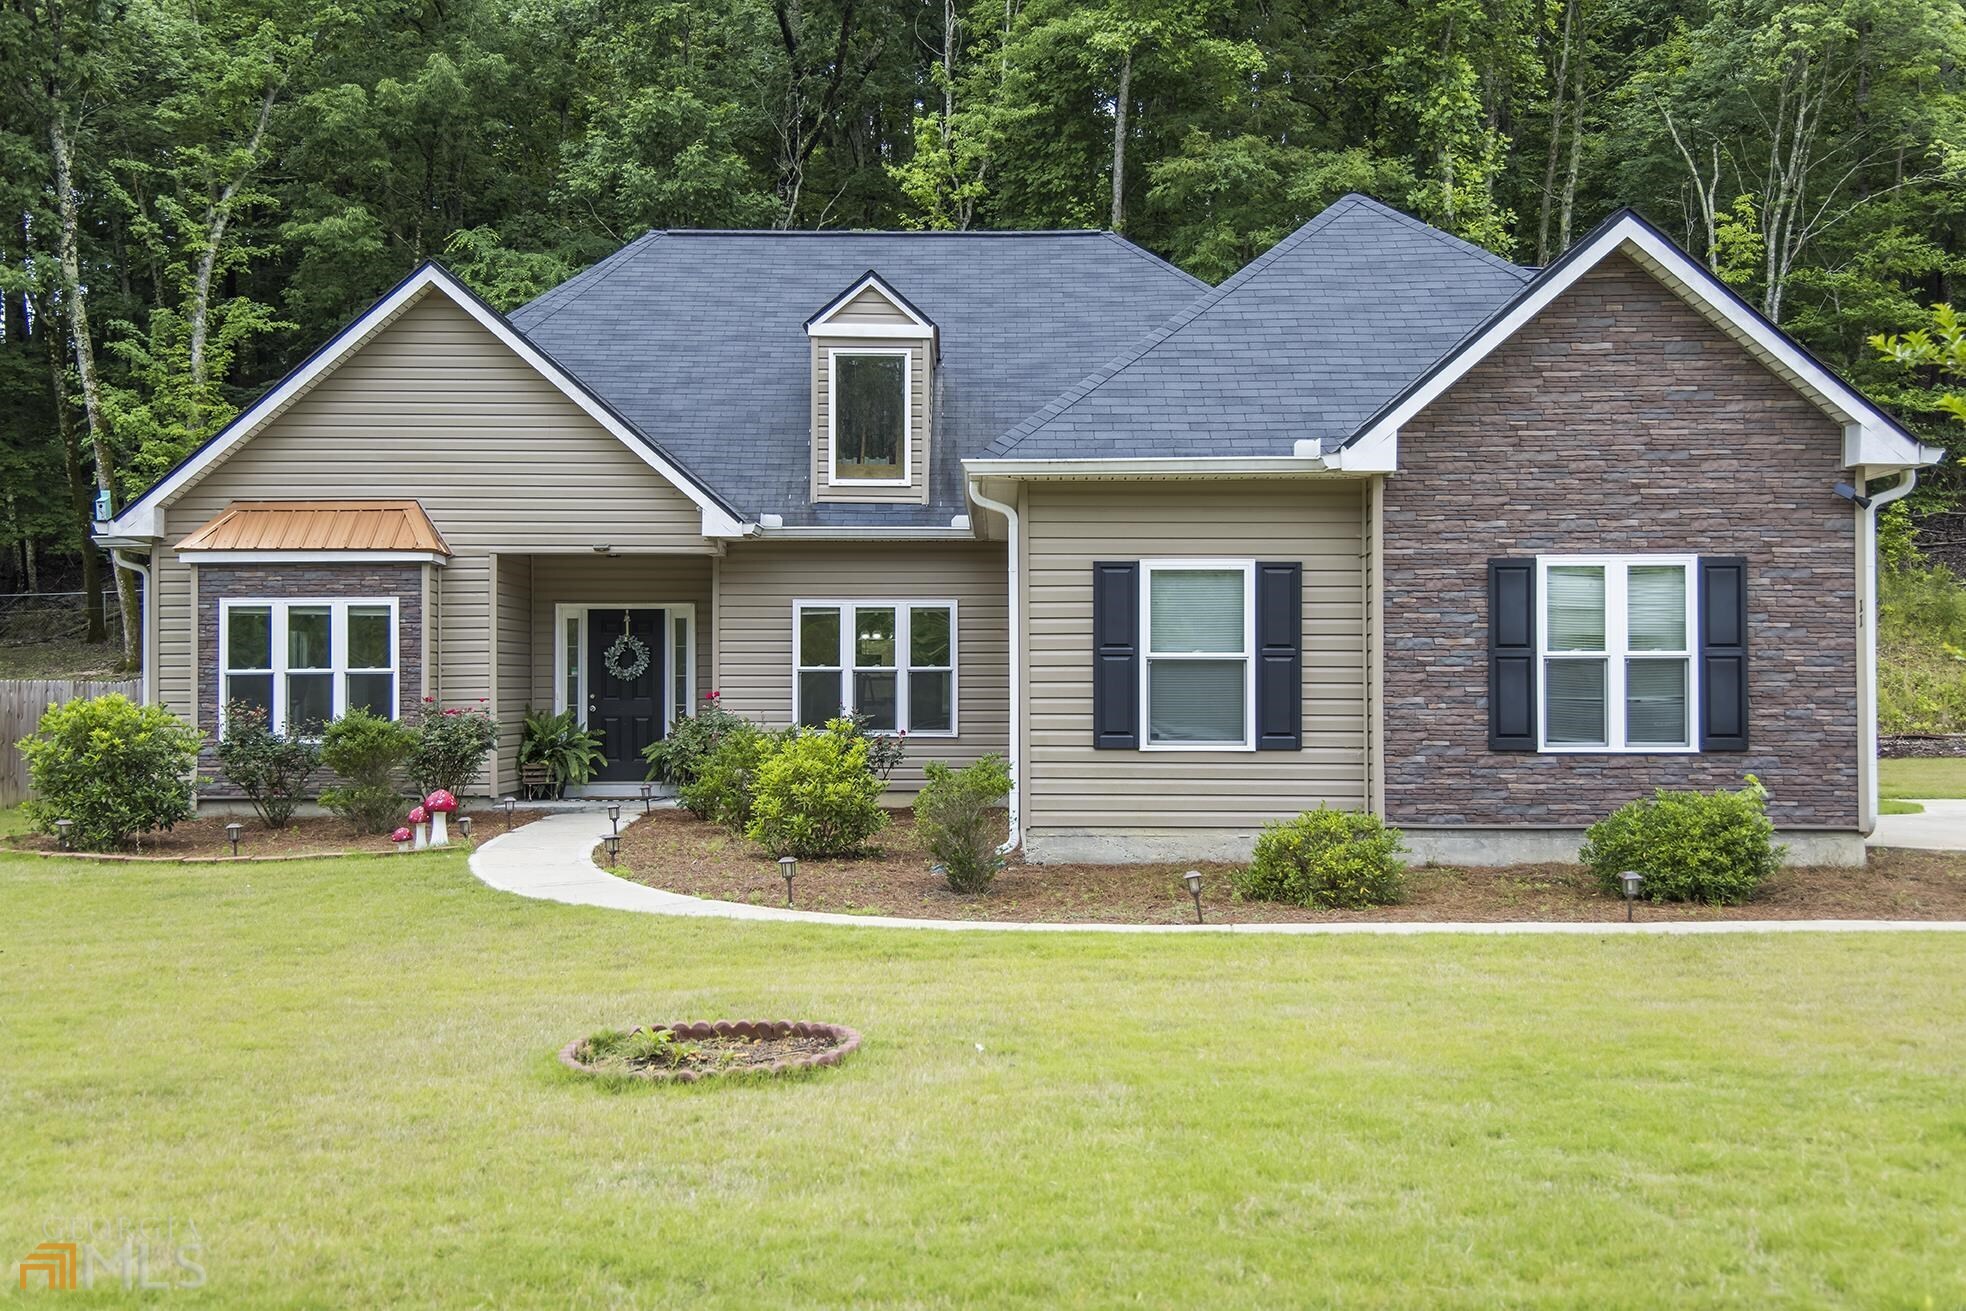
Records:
x=920, y=379
x=870, y=307
x=512, y=646
x=435, y=408
x=760, y=582
x=177, y=631
x=1072, y=789
x=625, y=580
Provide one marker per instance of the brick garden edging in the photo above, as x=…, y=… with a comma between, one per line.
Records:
x=845, y=1042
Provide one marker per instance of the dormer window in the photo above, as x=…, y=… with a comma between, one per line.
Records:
x=870, y=414
x=873, y=385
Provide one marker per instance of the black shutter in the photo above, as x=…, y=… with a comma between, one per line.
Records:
x=1279, y=657
x=1723, y=653
x=1511, y=655
x=1116, y=655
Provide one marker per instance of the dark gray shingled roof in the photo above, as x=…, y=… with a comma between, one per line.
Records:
x=698, y=340
x=1306, y=342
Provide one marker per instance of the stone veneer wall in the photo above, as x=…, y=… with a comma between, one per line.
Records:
x=325, y=582
x=1618, y=421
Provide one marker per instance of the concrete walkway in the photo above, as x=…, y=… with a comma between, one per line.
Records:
x=552, y=859
x=1941, y=828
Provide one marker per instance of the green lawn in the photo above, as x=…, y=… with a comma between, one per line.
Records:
x=341, y=1073
x=1924, y=778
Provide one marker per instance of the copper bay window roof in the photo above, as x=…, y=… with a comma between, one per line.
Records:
x=370, y=527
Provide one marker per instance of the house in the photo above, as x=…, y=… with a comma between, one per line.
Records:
x=1382, y=522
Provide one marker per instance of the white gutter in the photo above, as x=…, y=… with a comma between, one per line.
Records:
x=146, y=674
x=1009, y=512
x=1867, y=685
x=822, y=533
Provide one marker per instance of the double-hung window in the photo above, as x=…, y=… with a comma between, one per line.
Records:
x=305, y=663
x=869, y=407
x=1199, y=689
x=894, y=662
x=1616, y=637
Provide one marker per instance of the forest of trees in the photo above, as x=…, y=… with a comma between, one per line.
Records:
x=199, y=191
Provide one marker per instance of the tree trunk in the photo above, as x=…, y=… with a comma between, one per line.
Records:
x=1119, y=141
x=1576, y=161
x=218, y=215
x=1557, y=88
x=79, y=489
x=85, y=358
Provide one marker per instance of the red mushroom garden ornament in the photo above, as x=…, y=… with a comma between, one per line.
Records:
x=440, y=804
x=418, y=817
x=401, y=837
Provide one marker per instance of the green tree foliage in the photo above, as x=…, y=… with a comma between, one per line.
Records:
x=241, y=179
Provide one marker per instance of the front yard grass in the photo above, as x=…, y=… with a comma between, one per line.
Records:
x=1921, y=778
x=342, y=1074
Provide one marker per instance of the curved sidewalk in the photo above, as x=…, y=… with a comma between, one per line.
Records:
x=552, y=859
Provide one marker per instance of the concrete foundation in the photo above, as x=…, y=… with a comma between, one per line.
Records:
x=1477, y=846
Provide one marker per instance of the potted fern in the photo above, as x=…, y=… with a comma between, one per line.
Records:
x=568, y=752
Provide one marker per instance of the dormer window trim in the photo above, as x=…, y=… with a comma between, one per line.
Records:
x=918, y=327
x=907, y=356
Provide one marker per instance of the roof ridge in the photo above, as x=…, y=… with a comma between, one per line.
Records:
x=595, y=274
x=1447, y=239
x=1120, y=363
x=887, y=232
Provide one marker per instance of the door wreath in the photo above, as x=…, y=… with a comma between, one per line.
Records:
x=628, y=658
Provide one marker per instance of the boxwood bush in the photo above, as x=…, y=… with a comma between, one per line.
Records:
x=1340, y=859
x=117, y=769
x=814, y=794
x=1713, y=847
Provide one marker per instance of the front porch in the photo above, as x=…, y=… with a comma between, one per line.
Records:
x=556, y=618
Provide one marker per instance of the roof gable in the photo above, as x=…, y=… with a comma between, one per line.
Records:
x=1871, y=437
x=870, y=308
x=139, y=519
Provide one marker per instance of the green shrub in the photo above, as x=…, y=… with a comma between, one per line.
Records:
x=957, y=817
x=571, y=753
x=884, y=750
x=451, y=746
x=679, y=757
x=115, y=768
x=1713, y=847
x=366, y=751
x=271, y=768
x=1330, y=858
x=722, y=789
x=813, y=794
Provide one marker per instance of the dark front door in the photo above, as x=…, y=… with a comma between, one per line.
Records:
x=627, y=712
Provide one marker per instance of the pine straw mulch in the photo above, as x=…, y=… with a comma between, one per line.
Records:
x=671, y=849
x=304, y=836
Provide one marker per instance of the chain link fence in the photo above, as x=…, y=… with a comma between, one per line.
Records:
x=28, y=617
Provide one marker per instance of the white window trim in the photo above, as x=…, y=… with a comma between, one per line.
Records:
x=577, y=611
x=907, y=354
x=904, y=619
x=1148, y=568
x=1616, y=652
x=337, y=650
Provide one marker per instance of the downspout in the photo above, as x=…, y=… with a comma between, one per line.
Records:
x=146, y=673
x=1867, y=522
x=1009, y=512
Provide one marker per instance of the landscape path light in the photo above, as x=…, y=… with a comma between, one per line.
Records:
x=788, y=866
x=62, y=826
x=614, y=815
x=232, y=835
x=1633, y=881
x=648, y=798
x=1193, y=879
x=508, y=803
x=614, y=847
x=464, y=826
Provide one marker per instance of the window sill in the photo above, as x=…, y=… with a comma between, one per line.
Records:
x=1198, y=746
x=1617, y=751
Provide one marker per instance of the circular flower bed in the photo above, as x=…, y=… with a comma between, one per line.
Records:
x=684, y=1053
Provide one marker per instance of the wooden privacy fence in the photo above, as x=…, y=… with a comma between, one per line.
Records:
x=22, y=703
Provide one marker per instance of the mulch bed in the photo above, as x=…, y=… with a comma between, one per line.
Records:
x=671, y=849
x=304, y=836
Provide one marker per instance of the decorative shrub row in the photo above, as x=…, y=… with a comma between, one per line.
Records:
x=117, y=770
x=795, y=792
